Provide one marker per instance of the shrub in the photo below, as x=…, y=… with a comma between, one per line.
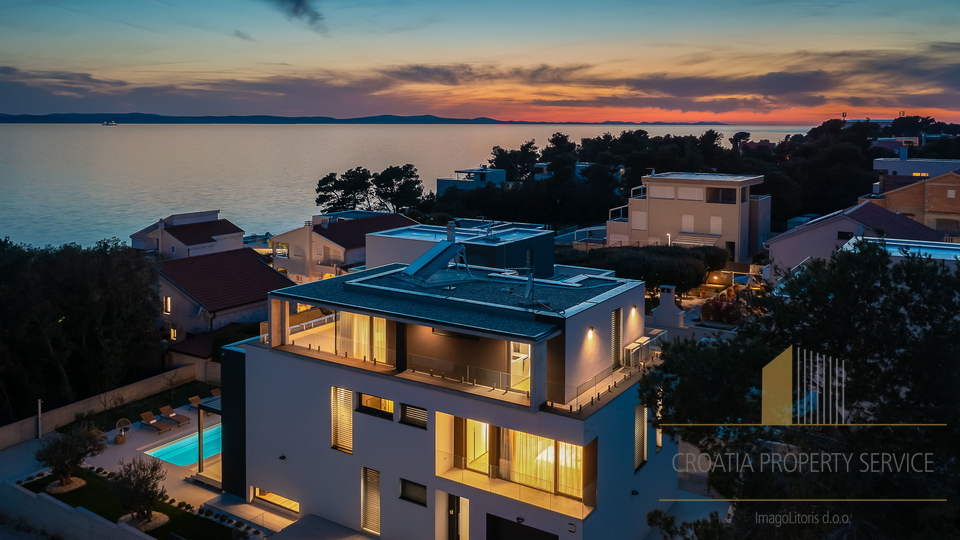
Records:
x=19, y=482
x=111, y=474
x=66, y=451
x=138, y=486
x=30, y=479
x=239, y=525
x=223, y=518
x=41, y=474
x=181, y=504
x=100, y=470
x=229, y=521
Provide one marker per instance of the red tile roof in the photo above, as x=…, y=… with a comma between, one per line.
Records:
x=203, y=232
x=224, y=280
x=202, y=344
x=351, y=234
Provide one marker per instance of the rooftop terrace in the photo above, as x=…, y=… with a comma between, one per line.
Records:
x=706, y=177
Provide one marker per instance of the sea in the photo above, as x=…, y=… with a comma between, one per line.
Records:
x=78, y=183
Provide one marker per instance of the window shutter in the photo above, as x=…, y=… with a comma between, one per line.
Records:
x=341, y=411
x=413, y=492
x=640, y=436
x=413, y=416
x=370, y=509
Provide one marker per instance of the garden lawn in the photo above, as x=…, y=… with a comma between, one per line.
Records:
x=97, y=497
x=107, y=420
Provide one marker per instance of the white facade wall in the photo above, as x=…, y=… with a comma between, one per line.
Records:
x=307, y=250
x=289, y=414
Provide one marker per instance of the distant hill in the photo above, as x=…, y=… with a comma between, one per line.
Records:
x=143, y=118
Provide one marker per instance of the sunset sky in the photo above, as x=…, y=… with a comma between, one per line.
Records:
x=736, y=61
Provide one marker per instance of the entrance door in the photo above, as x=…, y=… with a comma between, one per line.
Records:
x=458, y=518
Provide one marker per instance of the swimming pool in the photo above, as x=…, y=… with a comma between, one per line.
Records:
x=184, y=451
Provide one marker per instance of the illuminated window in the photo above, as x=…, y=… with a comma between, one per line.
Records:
x=921, y=174
x=341, y=413
x=281, y=250
x=370, y=495
x=640, y=436
x=519, y=366
x=362, y=337
x=303, y=307
x=376, y=406
x=173, y=334
x=478, y=446
x=273, y=498
x=167, y=304
x=570, y=470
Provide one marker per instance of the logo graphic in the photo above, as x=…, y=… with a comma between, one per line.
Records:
x=803, y=387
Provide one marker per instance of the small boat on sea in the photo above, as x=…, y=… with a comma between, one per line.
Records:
x=109, y=123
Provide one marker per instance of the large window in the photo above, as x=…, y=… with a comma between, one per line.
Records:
x=478, y=446
x=640, y=436
x=341, y=416
x=362, y=337
x=370, y=504
x=690, y=193
x=519, y=366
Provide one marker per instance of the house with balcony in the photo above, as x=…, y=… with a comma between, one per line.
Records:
x=446, y=401
x=931, y=201
x=468, y=179
x=206, y=292
x=330, y=244
x=187, y=235
x=694, y=209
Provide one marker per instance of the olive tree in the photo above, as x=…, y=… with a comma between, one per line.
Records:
x=64, y=452
x=138, y=486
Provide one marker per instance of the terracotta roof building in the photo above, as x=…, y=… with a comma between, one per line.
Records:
x=934, y=202
x=187, y=235
x=330, y=244
x=206, y=292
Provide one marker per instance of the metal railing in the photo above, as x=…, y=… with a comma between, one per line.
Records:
x=469, y=375
x=592, y=391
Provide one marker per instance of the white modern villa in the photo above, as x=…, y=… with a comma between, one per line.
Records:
x=443, y=401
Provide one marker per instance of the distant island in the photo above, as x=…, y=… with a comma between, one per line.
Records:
x=143, y=118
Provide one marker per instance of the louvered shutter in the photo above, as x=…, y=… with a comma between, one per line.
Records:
x=341, y=411
x=370, y=493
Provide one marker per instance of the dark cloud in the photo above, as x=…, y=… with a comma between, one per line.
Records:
x=302, y=10
x=769, y=84
x=457, y=74
x=65, y=78
x=669, y=103
x=243, y=35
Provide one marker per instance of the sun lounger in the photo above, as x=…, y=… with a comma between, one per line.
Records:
x=167, y=413
x=195, y=404
x=149, y=420
x=215, y=392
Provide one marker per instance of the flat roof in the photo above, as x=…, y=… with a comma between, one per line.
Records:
x=918, y=160
x=497, y=234
x=489, y=301
x=945, y=251
x=706, y=177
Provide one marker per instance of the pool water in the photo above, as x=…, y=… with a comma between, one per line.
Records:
x=184, y=451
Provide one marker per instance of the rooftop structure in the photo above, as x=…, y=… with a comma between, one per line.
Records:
x=475, y=394
x=930, y=201
x=903, y=171
x=186, y=235
x=496, y=244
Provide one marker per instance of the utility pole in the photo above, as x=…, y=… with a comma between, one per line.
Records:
x=39, y=421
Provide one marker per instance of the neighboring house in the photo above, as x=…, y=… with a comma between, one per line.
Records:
x=468, y=179
x=330, y=244
x=934, y=202
x=187, y=235
x=899, y=172
x=203, y=293
x=496, y=244
x=949, y=253
x=694, y=209
x=820, y=237
x=437, y=404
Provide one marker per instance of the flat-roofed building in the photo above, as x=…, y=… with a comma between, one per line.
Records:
x=451, y=401
x=694, y=209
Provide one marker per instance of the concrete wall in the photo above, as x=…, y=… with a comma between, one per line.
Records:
x=207, y=370
x=26, y=429
x=58, y=519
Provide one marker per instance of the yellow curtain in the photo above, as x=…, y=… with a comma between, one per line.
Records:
x=380, y=339
x=570, y=470
x=532, y=460
x=354, y=338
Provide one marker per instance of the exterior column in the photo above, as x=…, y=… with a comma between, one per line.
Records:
x=279, y=322
x=200, y=440
x=538, y=374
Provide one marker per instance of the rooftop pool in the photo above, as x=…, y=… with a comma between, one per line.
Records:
x=184, y=451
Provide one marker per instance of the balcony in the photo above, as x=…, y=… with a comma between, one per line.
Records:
x=548, y=494
x=512, y=388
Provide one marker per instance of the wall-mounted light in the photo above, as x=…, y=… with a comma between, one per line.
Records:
x=634, y=308
x=590, y=332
